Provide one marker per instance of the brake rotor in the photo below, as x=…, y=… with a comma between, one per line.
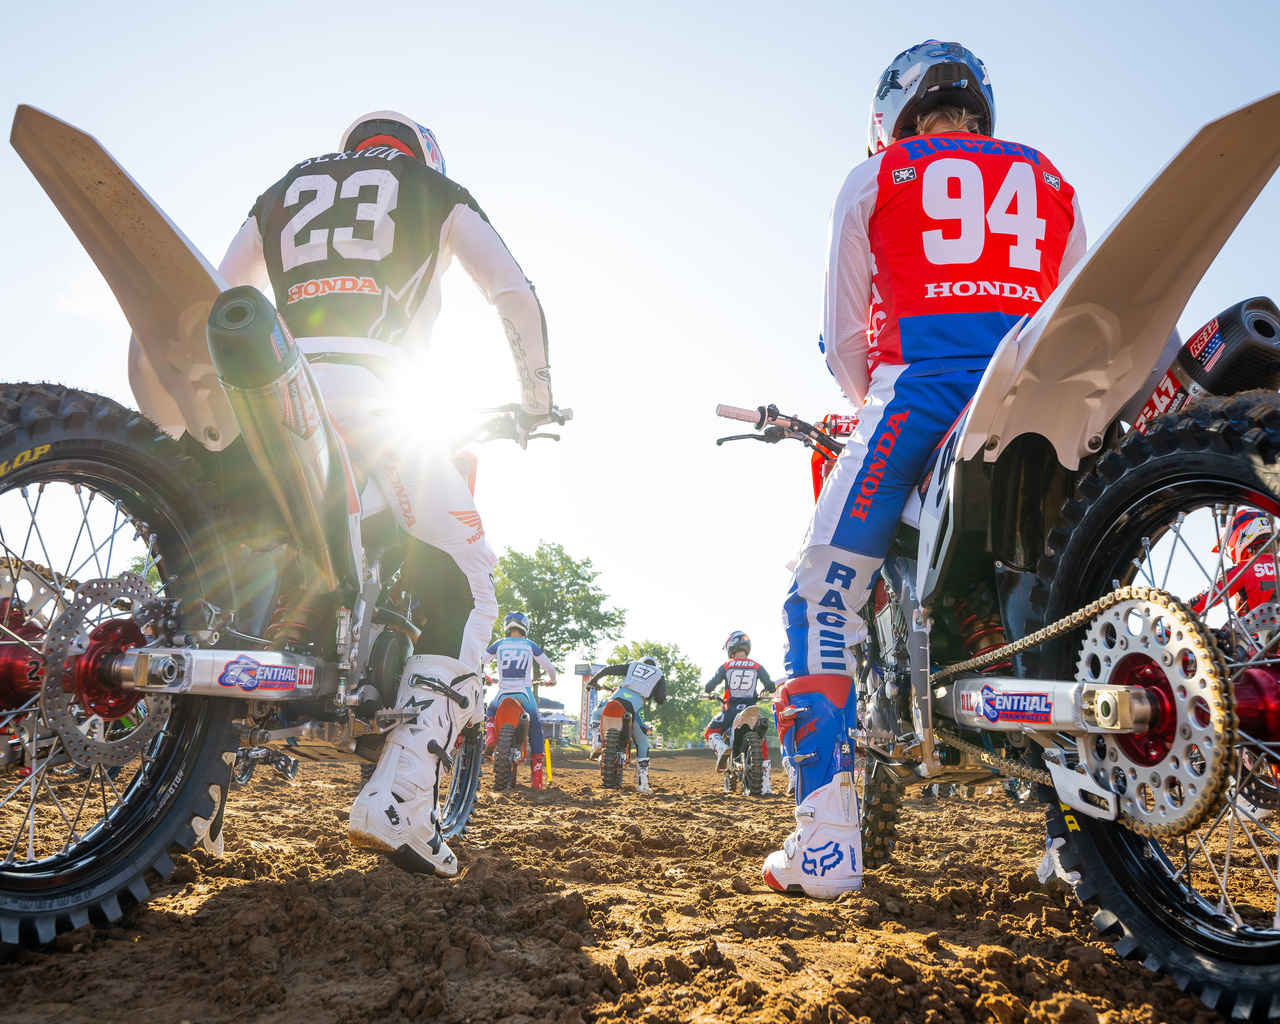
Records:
x=1169, y=779
x=73, y=701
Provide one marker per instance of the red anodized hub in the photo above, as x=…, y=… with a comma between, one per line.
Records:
x=1151, y=747
x=1257, y=693
x=21, y=666
x=115, y=636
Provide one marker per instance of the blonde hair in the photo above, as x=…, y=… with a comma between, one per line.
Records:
x=947, y=119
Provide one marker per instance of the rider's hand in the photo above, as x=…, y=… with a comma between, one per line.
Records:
x=526, y=423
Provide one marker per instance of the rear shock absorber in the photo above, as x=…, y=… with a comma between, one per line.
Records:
x=298, y=618
x=980, y=633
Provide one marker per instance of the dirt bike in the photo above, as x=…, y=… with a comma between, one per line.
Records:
x=1032, y=620
x=616, y=733
x=745, y=767
x=171, y=597
x=511, y=739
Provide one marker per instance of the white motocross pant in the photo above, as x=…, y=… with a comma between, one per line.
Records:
x=427, y=495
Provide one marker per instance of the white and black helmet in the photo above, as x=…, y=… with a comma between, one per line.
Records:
x=737, y=640
x=933, y=74
x=391, y=128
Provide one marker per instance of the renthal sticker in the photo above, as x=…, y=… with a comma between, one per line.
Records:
x=328, y=285
x=249, y=674
x=1035, y=708
x=22, y=458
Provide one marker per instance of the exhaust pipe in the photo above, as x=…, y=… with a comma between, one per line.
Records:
x=281, y=413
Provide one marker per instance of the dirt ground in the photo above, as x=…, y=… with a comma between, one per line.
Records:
x=579, y=906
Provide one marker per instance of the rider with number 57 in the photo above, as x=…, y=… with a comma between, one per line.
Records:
x=353, y=244
x=939, y=243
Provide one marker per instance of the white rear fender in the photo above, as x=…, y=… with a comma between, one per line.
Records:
x=163, y=284
x=1092, y=346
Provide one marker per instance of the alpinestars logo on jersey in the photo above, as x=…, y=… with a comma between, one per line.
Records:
x=328, y=285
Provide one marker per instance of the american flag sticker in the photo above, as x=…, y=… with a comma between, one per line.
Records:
x=1212, y=351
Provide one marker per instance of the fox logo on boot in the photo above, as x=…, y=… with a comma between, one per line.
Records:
x=825, y=862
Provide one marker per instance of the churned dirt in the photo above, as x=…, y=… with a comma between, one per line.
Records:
x=577, y=905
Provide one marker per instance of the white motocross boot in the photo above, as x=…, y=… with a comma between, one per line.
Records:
x=396, y=812
x=642, y=776
x=722, y=750
x=765, y=787
x=823, y=857
x=791, y=775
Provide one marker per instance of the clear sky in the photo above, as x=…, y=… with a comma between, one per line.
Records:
x=662, y=171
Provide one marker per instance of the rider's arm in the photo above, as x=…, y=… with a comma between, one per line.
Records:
x=848, y=289
x=715, y=680
x=768, y=684
x=244, y=262
x=541, y=658
x=1077, y=244
x=468, y=235
x=609, y=670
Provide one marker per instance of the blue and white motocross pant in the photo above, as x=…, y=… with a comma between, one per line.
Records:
x=537, y=744
x=907, y=413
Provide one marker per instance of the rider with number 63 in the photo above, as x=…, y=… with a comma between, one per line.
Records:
x=939, y=243
x=352, y=245
x=737, y=678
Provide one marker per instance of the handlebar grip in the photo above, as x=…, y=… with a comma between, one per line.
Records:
x=567, y=414
x=732, y=412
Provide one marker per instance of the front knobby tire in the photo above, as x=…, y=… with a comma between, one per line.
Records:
x=1160, y=898
x=504, y=754
x=57, y=443
x=458, y=797
x=880, y=814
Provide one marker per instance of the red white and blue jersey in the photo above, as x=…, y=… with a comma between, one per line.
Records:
x=515, y=656
x=938, y=245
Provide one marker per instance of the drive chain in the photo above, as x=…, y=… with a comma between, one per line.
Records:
x=1004, y=765
x=1041, y=636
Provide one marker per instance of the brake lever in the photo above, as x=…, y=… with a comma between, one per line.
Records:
x=533, y=437
x=741, y=437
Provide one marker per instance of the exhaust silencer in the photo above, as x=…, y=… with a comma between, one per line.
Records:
x=281, y=413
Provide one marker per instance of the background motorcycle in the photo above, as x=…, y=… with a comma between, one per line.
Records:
x=618, y=715
x=171, y=596
x=1033, y=616
x=511, y=744
x=746, y=750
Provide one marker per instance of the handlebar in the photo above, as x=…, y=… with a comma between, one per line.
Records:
x=503, y=426
x=775, y=426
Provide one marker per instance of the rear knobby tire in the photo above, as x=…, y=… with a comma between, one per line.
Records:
x=115, y=453
x=752, y=766
x=1219, y=451
x=610, y=768
x=504, y=765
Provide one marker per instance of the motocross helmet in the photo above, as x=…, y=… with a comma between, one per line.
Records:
x=933, y=74
x=737, y=639
x=1248, y=527
x=516, y=620
x=389, y=128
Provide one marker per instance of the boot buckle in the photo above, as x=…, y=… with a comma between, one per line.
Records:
x=387, y=719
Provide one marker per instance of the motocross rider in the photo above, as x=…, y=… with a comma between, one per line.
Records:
x=642, y=681
x=738, y=676
x=1252, y=577
x=515, y=654
x=939, y=244
x=353, y=245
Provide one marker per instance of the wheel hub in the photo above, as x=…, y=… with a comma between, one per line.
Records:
x=106, y=642
x=72, y=700
x=1169, y=778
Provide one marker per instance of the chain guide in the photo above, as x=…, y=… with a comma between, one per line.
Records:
x=87, y=738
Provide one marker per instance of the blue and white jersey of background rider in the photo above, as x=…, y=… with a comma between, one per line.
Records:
x=515, y=656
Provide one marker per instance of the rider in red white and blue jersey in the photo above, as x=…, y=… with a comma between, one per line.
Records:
x=939, y=244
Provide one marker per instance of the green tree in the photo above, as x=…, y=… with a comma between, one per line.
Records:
x=683, y=716
x=558, y=592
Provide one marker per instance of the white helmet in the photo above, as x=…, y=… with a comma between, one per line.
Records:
x=391, y=128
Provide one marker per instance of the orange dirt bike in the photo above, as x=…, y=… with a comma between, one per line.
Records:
x=617, y=732
x=1059, y=605
x=176, y=587
x=511, y=738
